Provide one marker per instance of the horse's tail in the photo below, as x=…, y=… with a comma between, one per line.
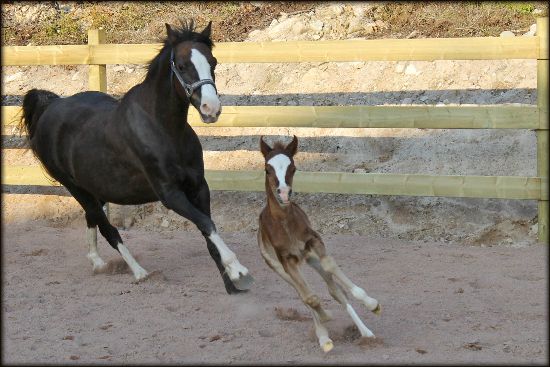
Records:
x=35, y=103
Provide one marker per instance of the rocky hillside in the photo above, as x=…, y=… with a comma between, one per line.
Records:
x=422, y=151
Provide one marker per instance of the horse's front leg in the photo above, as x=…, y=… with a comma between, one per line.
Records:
x=236, y=277
x=229, y=260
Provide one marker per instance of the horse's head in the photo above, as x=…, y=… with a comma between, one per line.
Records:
x=192, y=66
x=279, y=168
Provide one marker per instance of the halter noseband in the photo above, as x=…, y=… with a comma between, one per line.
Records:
x=189, y=88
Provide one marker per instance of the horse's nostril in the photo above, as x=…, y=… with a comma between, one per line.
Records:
x=279, y=191
x=290, y=192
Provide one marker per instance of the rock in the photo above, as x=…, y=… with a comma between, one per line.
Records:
x=412, y=34
x=537, y=11
x=316, y=25
x=337, y=9
x=370, y=28
x=315, y=37
x=281, y=29
x=129, y=70
x=411, y=70
x=119, y=68
x=298, y=28
x=358, y=11
x=532, y=30
x=75, y=76
x=165, y=223
x=507, y=34
x=355, y=25
x=399, y=68
x=12, y=77
x=359, y=170
x=407, y=101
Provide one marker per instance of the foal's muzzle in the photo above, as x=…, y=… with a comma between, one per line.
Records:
x=283, y=195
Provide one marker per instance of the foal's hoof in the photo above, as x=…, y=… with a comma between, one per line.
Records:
x=377, y=310
x=327, y=346
x=243, y=283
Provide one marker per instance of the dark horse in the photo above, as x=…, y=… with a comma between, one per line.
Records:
x=139, y=149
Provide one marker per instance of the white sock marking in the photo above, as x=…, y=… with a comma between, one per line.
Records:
x=228, y=257
x=363, y=329
x=361, y=295
x=93, y=255
x=208, y=92
x=139, y=272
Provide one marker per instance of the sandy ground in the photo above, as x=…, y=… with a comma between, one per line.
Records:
x=442, y=303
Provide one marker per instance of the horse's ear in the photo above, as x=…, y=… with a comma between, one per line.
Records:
x=207, y=31
x=170, y=36
x=292, y=147
x=264, y=148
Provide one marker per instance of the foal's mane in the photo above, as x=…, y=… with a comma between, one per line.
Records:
x=185, y=32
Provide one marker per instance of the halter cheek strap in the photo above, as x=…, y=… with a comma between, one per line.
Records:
x=189, y=88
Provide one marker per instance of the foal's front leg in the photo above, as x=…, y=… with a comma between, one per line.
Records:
x=307, y=297
x=338, y=294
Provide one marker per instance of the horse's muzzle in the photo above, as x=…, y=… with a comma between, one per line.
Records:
x=210, y=119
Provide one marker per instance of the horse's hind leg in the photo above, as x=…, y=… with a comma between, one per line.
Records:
x=93, y=255
x=338, y=294
x=95, y=216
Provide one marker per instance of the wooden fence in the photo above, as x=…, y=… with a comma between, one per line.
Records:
x=97, y=55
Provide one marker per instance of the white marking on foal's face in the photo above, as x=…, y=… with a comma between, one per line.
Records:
x=210, y=103
x=280, y=164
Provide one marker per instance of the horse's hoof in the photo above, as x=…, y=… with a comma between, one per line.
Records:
x=378, y=310
x=327, y=346
x=244, y=282
x=229, y=287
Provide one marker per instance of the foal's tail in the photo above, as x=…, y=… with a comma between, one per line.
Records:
x=34, y=104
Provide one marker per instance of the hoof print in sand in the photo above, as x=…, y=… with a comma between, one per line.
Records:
x=284, y=313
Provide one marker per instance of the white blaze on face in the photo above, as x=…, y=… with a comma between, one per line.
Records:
x=210, y=103
x=280, y=164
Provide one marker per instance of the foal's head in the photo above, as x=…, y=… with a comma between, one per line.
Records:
x=192, y=68
x=279, y=168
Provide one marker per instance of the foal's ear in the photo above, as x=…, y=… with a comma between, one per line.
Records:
x=171, y=37
x=292, y=147
x=207, y=31
x=264, y=148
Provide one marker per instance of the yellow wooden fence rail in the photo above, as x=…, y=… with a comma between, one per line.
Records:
x=500, y=187
x=97, y=55
x=422, y=117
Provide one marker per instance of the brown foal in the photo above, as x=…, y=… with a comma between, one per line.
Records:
x=286, y=239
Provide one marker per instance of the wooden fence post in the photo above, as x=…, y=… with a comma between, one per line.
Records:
x=97, y=75
x=542, y=131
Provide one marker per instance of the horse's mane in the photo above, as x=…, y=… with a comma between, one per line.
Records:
x=185, y=32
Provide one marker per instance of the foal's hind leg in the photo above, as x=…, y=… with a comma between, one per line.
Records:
x=329, y=265
x=338, y=294
x=310, y=300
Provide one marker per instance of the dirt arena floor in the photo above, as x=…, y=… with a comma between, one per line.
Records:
x=442, y=303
